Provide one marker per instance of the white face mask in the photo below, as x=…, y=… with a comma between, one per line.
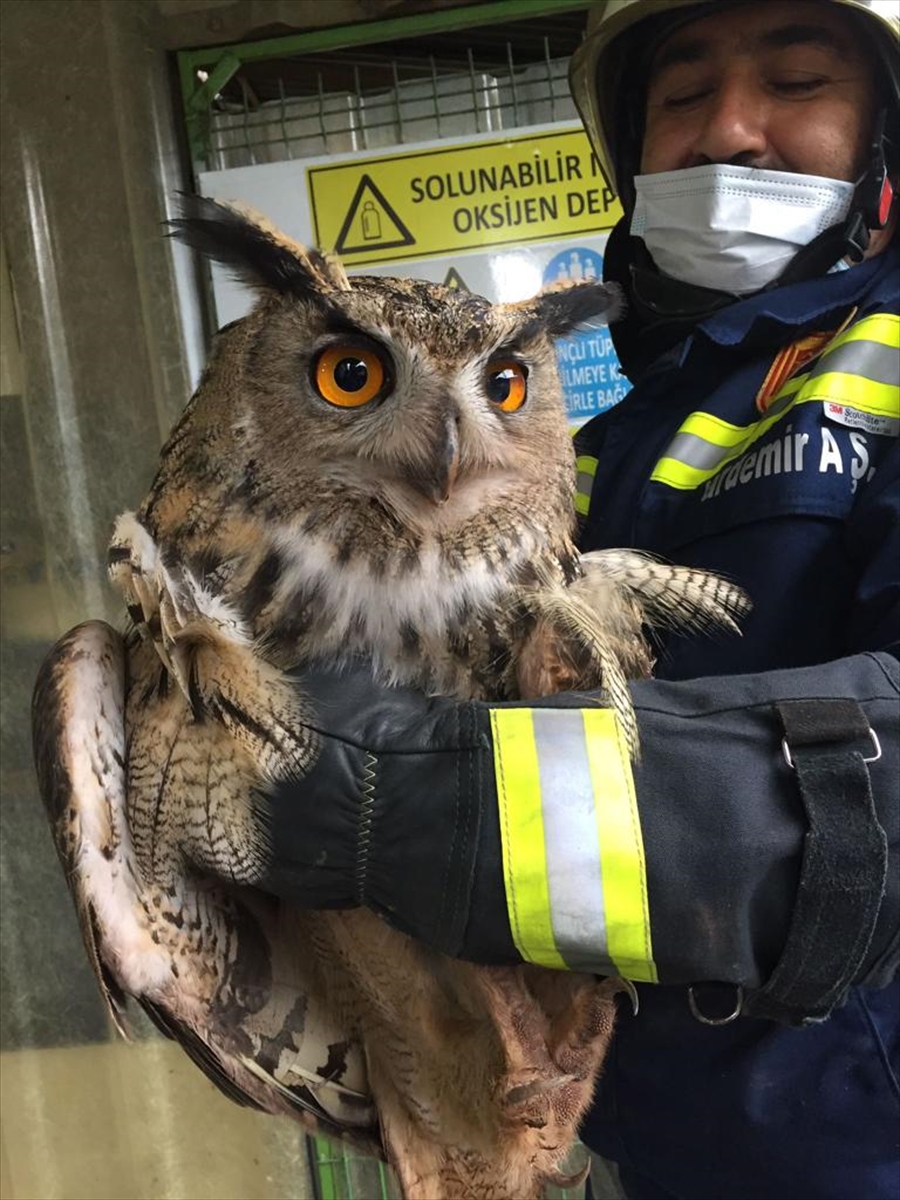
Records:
x=733, y=229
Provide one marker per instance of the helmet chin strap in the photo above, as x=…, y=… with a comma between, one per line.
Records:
x=660, y=311
x=869, y=209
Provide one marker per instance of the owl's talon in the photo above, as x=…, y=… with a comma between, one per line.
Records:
x=632, y=993
x=180, y=669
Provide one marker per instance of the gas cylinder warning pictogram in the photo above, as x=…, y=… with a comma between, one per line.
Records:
x=371, y=222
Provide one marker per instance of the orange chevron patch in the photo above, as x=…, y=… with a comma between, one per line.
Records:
x=793, y=358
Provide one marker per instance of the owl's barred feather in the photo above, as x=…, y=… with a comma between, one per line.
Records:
x=370, y=468
x=669, y=596
x=258, y=254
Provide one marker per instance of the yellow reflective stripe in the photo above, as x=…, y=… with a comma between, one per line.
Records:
x=795, y=384
x=629, y=941
x=712, y=429
x=679, y=475
x=573, y=854
x=792, y=385
x=701, y=434
x=733, y=439
x=522, y=835
x=723, y=433
x=586, y=469
x=878, y=327
x=682, y=475
x=880, y=399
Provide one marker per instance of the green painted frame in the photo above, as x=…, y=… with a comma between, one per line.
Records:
x=221, y=62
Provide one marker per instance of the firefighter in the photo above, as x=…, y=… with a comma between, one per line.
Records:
x=754, y=149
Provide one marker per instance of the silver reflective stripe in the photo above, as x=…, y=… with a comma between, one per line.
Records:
x=584, y=482
x=872, y=360
x=695, y=451
x=586, y=468
x=780, y=403
x=572, y=841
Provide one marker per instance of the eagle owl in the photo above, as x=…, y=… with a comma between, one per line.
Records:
x=370, y=467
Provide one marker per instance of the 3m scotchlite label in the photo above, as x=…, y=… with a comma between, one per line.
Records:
x=860, y=369
x=573, y=853
x=846, y=414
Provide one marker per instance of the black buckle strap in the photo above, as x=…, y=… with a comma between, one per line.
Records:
x=844, y=865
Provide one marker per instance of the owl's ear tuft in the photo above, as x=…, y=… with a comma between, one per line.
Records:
x=562, y=307
x=257, y=253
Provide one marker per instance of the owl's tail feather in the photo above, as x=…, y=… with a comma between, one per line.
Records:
x=78, y=733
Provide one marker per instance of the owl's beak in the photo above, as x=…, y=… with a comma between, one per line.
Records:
x=449, y=463
x=437, y=483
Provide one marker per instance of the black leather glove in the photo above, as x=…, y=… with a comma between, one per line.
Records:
x=398, y=814
x=742, y=866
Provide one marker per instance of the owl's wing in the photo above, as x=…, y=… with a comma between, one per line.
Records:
x=215, y=967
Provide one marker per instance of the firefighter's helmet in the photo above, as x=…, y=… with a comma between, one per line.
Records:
x=618, y=41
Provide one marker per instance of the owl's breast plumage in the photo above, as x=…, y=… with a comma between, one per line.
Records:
x=437, y=608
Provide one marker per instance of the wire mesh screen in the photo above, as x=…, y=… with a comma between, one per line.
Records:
x=383, y=103
x=339, y=1174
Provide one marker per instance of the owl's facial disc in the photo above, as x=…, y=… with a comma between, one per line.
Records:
x=427, y=400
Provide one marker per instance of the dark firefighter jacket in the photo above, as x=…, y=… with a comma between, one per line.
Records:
x=771, y=455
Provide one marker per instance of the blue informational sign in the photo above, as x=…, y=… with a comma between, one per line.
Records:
x=588, y=366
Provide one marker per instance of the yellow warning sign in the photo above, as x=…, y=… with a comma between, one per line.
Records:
x=525, y=188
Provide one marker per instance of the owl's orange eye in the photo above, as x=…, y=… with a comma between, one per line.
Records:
x=505, y=384
x=349, y=375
